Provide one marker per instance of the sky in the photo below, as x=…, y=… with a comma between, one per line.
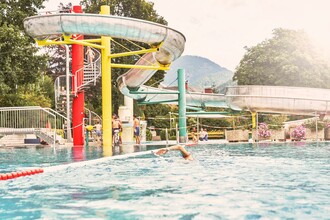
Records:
x=220, y=29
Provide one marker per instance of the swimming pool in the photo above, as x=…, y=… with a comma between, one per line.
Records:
x=227, y=181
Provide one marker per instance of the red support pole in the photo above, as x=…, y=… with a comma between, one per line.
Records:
x=79, y=99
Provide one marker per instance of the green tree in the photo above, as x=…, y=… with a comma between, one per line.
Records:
x=157, y=116
x=20, y=66
x=287, y=59
x=275, y=122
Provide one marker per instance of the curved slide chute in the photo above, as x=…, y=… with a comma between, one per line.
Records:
x=279, y=99
x=171, y=44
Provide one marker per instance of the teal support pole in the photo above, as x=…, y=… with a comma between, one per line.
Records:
x=87, y=137
x=182, y=106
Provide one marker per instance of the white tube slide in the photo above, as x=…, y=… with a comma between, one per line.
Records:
x=51, y=26
x=172, y=45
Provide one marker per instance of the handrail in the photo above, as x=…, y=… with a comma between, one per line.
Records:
x=96, y=115
x=57, y=87
x=95, y=67
x=56, y=113
x=34, y=117
x=90, y=113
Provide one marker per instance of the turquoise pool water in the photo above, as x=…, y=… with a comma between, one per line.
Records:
x=228, y=181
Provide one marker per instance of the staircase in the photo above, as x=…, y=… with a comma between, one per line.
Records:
x=16, y=136
x=87, y=75
x=17, y=123
x=12, y=140
x=60, y=94
x=44, y=135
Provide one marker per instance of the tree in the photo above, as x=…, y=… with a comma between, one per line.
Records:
x=287, y=59
x=155, y=115
x=20, y=66
x=136, y=9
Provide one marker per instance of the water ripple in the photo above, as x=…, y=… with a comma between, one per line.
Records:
x=241, y=181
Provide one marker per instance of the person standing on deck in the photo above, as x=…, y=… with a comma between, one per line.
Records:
x=116, y=125
x=98, y=130
x=194, y=135
x=136, y=127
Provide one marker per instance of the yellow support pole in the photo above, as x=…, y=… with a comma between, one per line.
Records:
x=129, y=66
x=130, y=53
x=106, y=90
x=80, y=42
x=254, y=122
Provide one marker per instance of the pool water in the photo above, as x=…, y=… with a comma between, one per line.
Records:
x=227, y=181
x=23, y=157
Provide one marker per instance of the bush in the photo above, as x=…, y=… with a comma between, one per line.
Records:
x=171, y=134
x=162, y=135
x=311, y=124
x=299, y=132
x=148, y=135
x=263, y=130
x=275, y=122
x=172, y=138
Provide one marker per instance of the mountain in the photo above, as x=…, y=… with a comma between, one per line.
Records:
x=200, y=72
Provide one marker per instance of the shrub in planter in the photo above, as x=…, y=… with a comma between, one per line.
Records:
x=263, y=130
x=149, y=135
x=162, y=135
x=299, y=132
x=275, y=122
x=311, y=124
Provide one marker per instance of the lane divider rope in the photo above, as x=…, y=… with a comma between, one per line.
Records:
x=16, y=174
x=12, y=175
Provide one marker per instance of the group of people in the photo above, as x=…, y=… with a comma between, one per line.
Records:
x=203, y=135
x=117, y=126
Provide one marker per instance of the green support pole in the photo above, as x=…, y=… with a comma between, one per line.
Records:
x=86, y=138
x=182, y=106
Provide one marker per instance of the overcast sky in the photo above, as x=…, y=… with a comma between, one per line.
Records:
x=219, y=29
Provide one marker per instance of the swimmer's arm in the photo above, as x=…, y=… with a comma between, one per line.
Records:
x=176, y=147
x=181, y=149
x=162, y=151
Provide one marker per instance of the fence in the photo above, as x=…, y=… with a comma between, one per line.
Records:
x=27, y=117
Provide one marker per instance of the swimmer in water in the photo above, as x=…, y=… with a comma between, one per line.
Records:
x=185, y=154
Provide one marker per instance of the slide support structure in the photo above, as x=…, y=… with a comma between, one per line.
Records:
x=182, y=107
x=59, y=22
x=79, y=100
x=106, y=90
x=254, y=121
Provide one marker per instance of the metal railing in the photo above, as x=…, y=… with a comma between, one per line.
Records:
x=35, y=117
x=91, y=71
x=60, y=90
x=88, y=73
x=92, y=116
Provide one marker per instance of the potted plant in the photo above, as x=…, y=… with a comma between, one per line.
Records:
x=327, y=131
x=263, y=131
x=298, y=133
x=276, y=126
x=310, y=126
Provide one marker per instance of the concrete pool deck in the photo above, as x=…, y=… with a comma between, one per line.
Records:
x=150, y=143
